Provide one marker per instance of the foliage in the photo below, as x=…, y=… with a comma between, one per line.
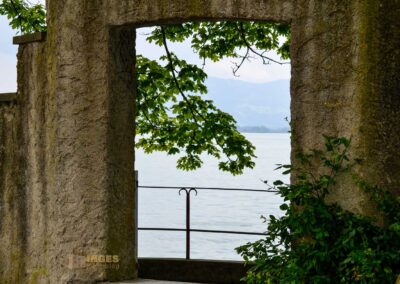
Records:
x=316, y=242
x=24, y=17
x=197, y=125
x=192, y=123
x=172, y=113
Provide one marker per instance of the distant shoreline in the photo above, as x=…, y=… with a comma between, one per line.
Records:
x=261, y=129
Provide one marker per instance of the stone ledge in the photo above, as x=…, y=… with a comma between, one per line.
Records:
x=193, y=271
x=148, y=281
x=7, y=97
x=28, y=38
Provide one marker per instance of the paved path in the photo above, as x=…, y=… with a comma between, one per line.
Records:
x=147, y=281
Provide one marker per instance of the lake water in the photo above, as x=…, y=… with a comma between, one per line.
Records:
x=210, y=210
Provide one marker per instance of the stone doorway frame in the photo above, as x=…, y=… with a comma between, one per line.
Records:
x=67, y=167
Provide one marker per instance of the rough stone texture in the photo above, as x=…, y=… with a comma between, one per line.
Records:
x=67, y=153
x=345, y=82
x=29, y=38
x=147, y=13
x=26, y=165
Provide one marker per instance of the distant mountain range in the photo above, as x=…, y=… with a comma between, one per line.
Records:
x=261, y=129
x=257, y=107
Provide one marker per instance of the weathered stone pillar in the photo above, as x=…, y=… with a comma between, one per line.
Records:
x=67, y=165
x=94, y=102
x=345, y=82
x=27, y=171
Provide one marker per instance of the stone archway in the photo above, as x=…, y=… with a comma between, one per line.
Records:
x=68, y=146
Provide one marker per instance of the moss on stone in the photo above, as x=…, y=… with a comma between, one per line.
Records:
x=36, y=274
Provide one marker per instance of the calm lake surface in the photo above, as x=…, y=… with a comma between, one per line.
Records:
x=210, y=210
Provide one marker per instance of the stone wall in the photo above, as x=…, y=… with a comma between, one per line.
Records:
x=67, y=143
x=26, y=165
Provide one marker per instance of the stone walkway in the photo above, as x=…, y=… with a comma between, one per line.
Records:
x=147, y=281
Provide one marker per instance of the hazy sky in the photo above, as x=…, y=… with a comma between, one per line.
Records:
x=253, y=71
x=8, y=62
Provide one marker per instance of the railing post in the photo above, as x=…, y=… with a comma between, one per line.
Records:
x=136, y=196
x=187, y=218
x=188, y=225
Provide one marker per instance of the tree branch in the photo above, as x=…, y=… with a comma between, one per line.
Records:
x=172, y=69
x=191, y=107
x=238, y=66
x=261, y=55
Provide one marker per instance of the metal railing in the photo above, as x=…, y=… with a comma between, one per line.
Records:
x=188, y=229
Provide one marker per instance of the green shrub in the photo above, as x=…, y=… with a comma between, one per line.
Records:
x=316, y=242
